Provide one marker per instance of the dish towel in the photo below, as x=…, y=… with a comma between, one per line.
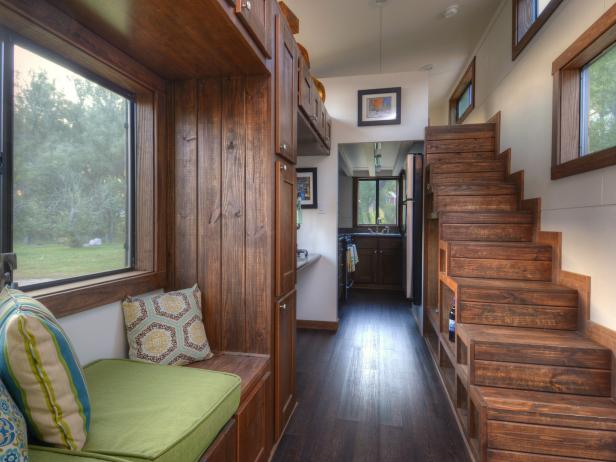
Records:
x=352, y=258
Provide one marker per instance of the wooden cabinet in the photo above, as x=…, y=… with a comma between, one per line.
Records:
x=284, y=396
x=286, y=228
x=224, y=447
x=306, y=88
x=328, y=130
x=253, y=438
x=381, y=263
x=257, y=16
x=286, y=91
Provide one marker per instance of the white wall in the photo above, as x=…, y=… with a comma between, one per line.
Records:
x=317, y=285
x=583, y=207
x=97, y=333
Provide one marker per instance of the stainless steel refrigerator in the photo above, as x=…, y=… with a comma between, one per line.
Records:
x=412, y=215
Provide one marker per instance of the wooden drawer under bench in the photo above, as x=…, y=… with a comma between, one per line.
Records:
x=248, y=437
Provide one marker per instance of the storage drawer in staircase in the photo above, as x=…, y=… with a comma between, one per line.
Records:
x=554, y=441
x=509, y=456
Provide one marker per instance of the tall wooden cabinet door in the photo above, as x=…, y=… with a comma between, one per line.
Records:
x=284, y=396
x=256, y=16
x=286, y=91
x=286, y=229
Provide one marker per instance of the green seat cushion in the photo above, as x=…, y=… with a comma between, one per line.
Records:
x=43, y=454
x=148, y=412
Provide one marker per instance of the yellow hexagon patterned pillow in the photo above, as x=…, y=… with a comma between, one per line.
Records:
x=166, y=328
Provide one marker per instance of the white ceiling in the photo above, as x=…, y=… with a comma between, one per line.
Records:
x=342, y=37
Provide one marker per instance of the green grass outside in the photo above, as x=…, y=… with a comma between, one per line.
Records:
x=54, y=261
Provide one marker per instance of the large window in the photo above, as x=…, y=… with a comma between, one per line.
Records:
x=462, y=101
x=68, y=170
x=528, y=17
x=584, y=134
x=377, y=201
x=598, y=104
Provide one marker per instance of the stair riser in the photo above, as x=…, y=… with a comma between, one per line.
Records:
x=483, y=218
x=487, y=233
x=557, y=441
x=553, y=379
x=431, y=159
x=471, y=189
x=533, y=316
x=501, y=252
x=500, y=269
x=437, y=179
x=461, y=145
x=505, y=203
x=519, y=297
x=508, y=456
x=478, y=166
x=549, y=355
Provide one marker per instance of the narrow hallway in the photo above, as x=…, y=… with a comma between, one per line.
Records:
x=370, y=392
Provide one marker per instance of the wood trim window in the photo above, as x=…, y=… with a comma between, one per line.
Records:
x=583, y=128
x=462, y=101
x=49, y=30
x=373, y=188
x=528, y=17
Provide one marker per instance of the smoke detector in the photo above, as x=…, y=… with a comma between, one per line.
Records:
x=451, y=11
x=426, y=67
x=380, y=2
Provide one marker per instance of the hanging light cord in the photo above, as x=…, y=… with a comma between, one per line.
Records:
x=381, y=39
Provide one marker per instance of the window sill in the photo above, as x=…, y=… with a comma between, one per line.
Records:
x=584, y=164
x=75, y=297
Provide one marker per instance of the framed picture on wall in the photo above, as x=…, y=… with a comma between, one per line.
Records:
x=307, y=187
x=380, y=106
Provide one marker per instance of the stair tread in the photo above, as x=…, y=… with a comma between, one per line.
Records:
x=526, y=336
x=502, y=244
x=512, y=284
x=527, y=406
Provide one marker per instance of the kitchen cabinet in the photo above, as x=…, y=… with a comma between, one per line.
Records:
x=286, y=91
x=286, y=228
x=381, y=263
x=256, y=16
x=284, y=398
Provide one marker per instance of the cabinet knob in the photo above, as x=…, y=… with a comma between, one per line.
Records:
x=247, y=5
x=283, y=306
x=284, y=146
x=283, y=167
x=375, y=252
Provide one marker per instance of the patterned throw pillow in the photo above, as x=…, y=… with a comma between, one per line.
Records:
x=13, y=431
x=166, y=328
x=42, y=372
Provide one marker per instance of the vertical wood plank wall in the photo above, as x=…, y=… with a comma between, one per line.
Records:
x=223, y=204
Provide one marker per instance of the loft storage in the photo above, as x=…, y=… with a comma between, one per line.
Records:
x=251, y=230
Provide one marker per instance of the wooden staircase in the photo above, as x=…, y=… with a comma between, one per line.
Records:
x=525, y=382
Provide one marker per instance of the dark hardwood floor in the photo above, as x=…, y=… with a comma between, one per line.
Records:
x=370, y=392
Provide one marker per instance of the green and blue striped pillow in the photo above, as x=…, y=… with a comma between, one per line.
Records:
x=42, y=372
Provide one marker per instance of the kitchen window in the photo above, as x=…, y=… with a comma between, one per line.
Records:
x=528, y=17
x=68, y=153
x=377, y=201
x=584, y=127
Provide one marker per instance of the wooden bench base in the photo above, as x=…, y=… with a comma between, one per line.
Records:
x=248, y=437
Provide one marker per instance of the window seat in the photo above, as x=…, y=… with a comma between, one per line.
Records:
x=145, y=412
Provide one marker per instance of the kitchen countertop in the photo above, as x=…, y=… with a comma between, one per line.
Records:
x=305, y=262
x=392, y=235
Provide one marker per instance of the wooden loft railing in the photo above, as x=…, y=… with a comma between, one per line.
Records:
x=526, y=376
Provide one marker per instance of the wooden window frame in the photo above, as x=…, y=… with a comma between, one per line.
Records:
x=519, y=40
x=356, y=180
x=42, y=24
x=468, y=78
x=566, y=72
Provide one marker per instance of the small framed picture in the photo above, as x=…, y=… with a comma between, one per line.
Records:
x=307, y=187
x=380, y=106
